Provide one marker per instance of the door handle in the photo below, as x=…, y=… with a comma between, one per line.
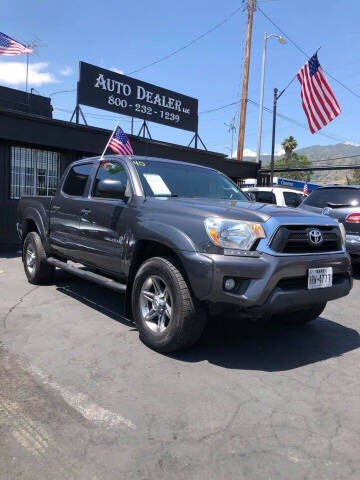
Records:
x=55, y=207
x=85, y=211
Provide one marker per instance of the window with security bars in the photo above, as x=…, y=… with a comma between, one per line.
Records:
x=33, y=172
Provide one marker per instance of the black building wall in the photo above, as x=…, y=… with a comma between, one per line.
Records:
x=72, y=142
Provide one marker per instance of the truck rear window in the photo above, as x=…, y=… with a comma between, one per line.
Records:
x=337, y=195
x=162, y=179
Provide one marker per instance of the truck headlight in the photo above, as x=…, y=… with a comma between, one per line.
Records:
x=343, y=233
x=233, y=233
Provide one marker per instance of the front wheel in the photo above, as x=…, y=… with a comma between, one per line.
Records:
x=302, y=316
x=36, y=267
x=167, y=316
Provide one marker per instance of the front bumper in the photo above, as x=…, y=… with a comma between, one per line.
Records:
x=267, y=284
x=353, y=244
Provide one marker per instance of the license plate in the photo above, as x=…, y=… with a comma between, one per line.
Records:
x=320, y=277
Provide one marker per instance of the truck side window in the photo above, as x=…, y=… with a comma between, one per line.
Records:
x=75, y=182
x=265, y=197
x=106, y=171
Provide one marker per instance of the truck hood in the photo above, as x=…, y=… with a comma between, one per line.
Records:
x=237, y=210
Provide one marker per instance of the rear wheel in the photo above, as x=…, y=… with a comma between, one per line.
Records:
x=302, y=316
x=167, y=316
x=36, y=267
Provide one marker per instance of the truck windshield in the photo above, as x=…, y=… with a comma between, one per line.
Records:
x=162, y=179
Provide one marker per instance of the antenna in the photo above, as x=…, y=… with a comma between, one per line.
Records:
x=232, y=129
x=32, y=45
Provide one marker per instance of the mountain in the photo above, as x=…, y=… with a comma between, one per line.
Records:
x=340, y=154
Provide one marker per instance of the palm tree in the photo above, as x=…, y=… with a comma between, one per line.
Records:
x=289, y=144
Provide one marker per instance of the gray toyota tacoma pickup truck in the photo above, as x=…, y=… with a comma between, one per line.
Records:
x=179, y=239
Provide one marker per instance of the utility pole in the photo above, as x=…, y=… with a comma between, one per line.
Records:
x=276, y=97
x=232, y=129
x=244, y=94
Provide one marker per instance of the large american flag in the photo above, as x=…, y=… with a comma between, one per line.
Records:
x=318, y=100
x=9, y=46
x=119, y=143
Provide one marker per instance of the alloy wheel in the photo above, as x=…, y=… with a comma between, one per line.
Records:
x=30, y=258
x=156, y=303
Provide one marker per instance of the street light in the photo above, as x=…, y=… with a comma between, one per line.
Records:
x=281, y=40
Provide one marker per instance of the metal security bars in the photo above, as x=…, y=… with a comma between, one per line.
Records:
x=33, y=172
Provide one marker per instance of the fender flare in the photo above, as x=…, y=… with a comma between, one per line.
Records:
x=168, y=235
x=34, y=215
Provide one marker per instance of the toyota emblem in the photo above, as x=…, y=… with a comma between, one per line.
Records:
x=315, y=237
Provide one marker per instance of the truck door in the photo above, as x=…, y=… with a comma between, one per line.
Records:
x=65, y=210
x=102, y=221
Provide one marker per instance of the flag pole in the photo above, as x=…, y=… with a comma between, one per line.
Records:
x=27, y=71
x=102, y=155
x=29, y=46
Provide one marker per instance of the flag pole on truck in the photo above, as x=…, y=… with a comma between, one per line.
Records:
x=102, y=155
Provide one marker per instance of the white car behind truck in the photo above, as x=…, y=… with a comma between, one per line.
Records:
x=284, y=197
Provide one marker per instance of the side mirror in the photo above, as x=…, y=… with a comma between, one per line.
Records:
x=109, y=188
x=251, y=196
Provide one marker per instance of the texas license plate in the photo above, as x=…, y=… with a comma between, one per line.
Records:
x=320, y=277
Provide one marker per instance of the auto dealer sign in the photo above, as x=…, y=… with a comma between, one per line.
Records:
x=119, y=93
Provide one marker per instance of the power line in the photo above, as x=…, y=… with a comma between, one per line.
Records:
x=219, y=108
x=196, y=39
x=317, y=163
x=342, y=84
x=94, y=115
x=304, y=53
x=335, y=158
x=284, y=117
x=299, y=124
x=285, y=34
x=62, y=91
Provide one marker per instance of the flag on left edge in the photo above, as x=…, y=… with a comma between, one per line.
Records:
x=9, y=46
x=119, y=143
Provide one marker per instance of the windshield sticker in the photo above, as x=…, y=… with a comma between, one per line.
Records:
x=157, y=184
x=138, y=163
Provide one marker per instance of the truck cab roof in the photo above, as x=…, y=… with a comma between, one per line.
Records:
x=140, y=158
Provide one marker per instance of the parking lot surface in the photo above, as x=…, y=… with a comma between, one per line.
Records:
x=82, y=398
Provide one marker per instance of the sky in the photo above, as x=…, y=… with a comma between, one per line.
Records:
x=125, y=36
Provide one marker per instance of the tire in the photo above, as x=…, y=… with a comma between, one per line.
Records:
x=36, y=268
x=302, y=316
x=175, y=320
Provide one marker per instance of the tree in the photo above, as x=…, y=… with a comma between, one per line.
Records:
x=289, y=145
x=294, y=161
x=355, y=178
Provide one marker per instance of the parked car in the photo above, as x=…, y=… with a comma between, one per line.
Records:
x=343, y=203
x=179, y=239
x=285, y=197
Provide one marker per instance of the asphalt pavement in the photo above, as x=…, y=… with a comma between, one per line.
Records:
x=82, y=398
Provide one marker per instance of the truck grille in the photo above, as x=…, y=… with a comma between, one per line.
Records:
x=295, y=239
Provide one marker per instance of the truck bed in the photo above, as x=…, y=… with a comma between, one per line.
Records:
x=33, y=208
